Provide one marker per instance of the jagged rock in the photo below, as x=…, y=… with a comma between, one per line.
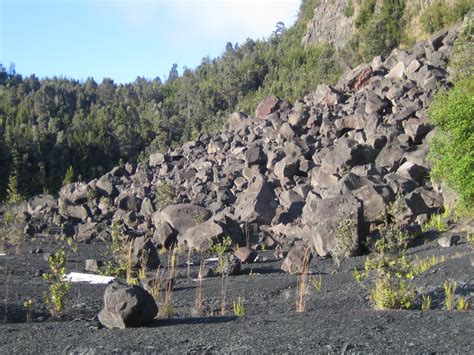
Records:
x=202, y=236
x=375, y=199
x=77, y=213
x=93, y=265
x=254, y=155
x=449, y=240
x=413, y=171
x=346, y=154
x=181, y=216
x=40, y=202
x=164, y=235
x=86, y=232
x=297, y=256
x=397, y=72
x=157, y=159
x=257, y=204
x=323, y=218
x=358, y=77
x=236, y=121
x=75, y=193
x=436, y=40
x=325, y=94
x=127, y=306
x=105, y=186
x=246, y=255
x=286, y=168
x=143, y=250
x=269, y=105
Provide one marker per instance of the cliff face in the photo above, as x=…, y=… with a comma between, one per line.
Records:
x=334, y=20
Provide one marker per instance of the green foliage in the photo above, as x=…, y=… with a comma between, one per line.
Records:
x=238, y=307
x=452, y=148
x=425, y=303
x=118, y=263
x=462, y=58
x=59, y=287
x=391, y=292
x=349, y=9
x=436, y=222
x=13, y=196
x=164, y=194
x=69, y=177
x=380, y=33
x=346, y=241
x=11, y=230
x=317, y=283
x=367, y=9
x=440, y=14
x=462, y=304
x=449, y=294
x=222, y=247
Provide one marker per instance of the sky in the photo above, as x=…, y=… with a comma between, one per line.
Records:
x=123, y=39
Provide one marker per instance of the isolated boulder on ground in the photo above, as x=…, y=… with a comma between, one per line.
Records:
x=127, y=306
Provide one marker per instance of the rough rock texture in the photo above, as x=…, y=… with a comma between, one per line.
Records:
x=127, y=306
x=288, y=173
x=329, y=24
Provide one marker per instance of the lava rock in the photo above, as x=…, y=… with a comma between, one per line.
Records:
x=127, y=306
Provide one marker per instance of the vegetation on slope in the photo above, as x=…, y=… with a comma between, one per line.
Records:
x=59, y=130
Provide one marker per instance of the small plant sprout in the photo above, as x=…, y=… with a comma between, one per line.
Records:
x=167, y=309
x=59, y=287
x=199, y=299
x=436, y=222
x=238, y=307
x=425, y=303
x=317, y=282
x=303, y=278
x=449, y=294
x=28, y=305
x=462, y=304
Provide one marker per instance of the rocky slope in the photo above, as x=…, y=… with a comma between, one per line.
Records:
x=289, y=173
x=333, y=22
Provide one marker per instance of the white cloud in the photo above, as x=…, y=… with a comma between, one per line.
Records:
x=215, y=18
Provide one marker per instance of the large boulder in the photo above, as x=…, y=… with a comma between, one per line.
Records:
x=269, y=105
x=323, y=217
x=143, y=251
x=258, y=203
x=346, y=154
x=127, y=306
x=202, y=236
x=38, y=203
x=297, y=257
x=181, y=216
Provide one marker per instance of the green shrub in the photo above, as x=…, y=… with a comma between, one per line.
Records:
x=440, y=14
x=452, y=148
x=349, y=9
x=346, y=241
x=59, y=286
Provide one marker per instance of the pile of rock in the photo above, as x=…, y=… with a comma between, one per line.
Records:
x=288, y=173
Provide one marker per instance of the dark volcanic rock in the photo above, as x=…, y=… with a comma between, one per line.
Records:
x=127, y=306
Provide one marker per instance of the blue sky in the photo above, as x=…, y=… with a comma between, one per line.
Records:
x=123, y=39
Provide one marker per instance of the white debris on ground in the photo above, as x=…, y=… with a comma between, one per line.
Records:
x=90, y=278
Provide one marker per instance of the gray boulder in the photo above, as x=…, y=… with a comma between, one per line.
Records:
x=127, y=306
x=202, y=236
x=323, y=217
x=181, y=216
x=295, y=259
x=258, y=203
